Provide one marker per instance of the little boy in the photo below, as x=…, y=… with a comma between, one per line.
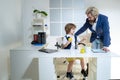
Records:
x=69, y=43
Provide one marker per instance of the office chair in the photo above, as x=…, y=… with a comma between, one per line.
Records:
x=59, y=45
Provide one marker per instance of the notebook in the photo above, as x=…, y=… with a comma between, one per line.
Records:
x=98, y=51
x=48, y=50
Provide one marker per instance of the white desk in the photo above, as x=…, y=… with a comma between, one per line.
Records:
x=22, y=58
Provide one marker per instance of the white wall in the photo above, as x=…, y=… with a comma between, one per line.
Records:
x=10, y=32
x=15, y=18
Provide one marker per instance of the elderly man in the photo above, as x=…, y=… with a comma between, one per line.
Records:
x=99, y=26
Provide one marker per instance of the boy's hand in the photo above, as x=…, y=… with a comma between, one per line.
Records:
x=70, y=39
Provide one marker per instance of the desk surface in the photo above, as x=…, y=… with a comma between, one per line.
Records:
x=62, y=52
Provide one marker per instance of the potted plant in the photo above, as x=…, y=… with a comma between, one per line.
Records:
x=39, y=13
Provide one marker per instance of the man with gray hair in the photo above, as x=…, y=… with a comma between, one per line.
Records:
x=99, y=26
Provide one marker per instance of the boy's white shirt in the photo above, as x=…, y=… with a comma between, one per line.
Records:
x=73, y=40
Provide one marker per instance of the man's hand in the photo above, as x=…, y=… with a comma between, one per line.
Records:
x=105, y=49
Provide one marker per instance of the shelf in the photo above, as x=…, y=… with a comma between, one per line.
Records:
x=37, y=25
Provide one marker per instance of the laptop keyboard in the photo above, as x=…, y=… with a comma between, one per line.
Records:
x=48, y=50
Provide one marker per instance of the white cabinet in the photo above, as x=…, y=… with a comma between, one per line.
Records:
x=22, y=58
x=28, y=65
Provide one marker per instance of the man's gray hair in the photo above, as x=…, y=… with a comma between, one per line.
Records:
x=93, y=11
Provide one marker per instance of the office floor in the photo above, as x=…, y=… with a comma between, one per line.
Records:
x=61, y=68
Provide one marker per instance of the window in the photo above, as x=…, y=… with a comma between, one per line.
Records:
x=63, y=12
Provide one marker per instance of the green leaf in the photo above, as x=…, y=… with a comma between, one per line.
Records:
x=40, y=12
x=45, y=13
x=35, y=11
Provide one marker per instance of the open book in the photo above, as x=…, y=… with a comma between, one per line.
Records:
x=98, y=51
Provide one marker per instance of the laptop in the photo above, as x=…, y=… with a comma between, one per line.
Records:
x=48, y=50
x=98, y=51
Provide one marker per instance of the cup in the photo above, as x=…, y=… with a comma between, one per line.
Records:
x=82, y=50
x=35, y=37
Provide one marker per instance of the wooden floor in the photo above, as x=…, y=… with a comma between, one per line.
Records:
x=61, y=68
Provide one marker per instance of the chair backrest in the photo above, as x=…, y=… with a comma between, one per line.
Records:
x=60, y=41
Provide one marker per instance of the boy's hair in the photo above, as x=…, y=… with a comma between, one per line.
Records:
x=68, y=27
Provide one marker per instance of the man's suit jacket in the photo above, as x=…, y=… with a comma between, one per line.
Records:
x=102, y=30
